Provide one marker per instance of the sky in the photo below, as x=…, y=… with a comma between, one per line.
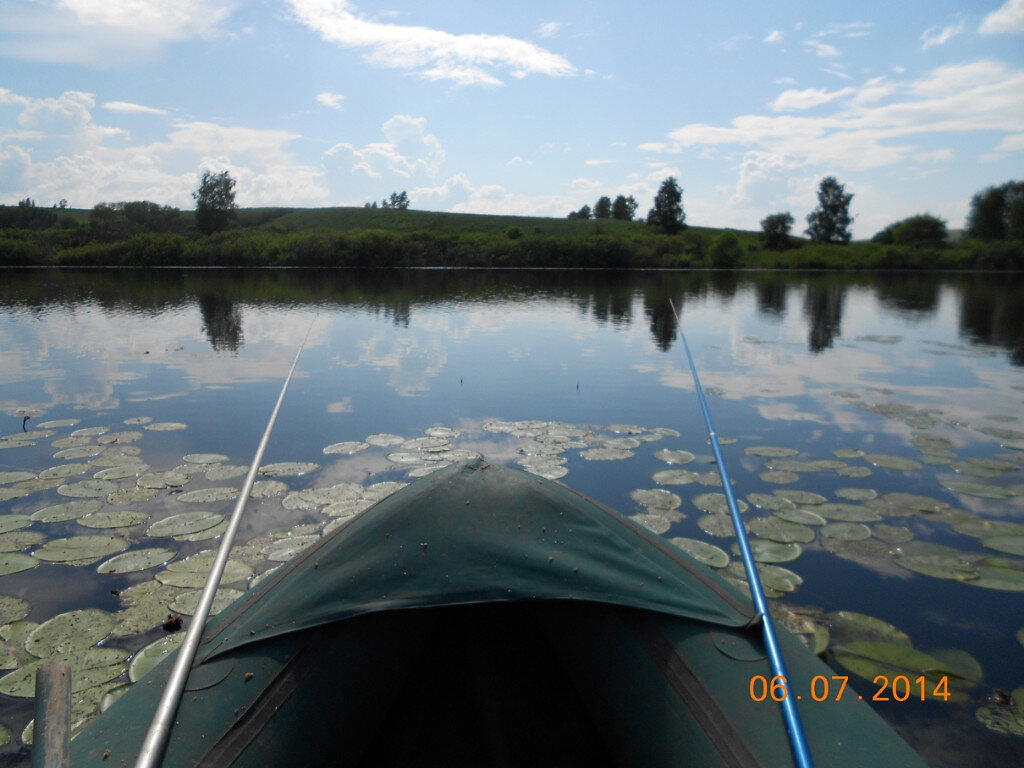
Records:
x=525, y=107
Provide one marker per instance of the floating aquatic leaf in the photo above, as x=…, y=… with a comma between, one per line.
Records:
x=793, y=465
x=165, y=426
x=121, y=518
x=121, y=471
x=623, y=443
x=848, y=626
x=58, y=423
x=675, y=477
x=12, y=609
x=87, y=489
x=346, y=448
x=983, y=529
x=777, y=578
x=1013, y=545
x=89, y=668
x=285, y=549
x=1002, y=718
x=220, y=472
x=148, y=657
x=805, y=625
x=800, y=497
x=846, y=531
x=892, y=462
x=674, y=456
x=982, y=490
x=288, y=468
x=717, y=525
x=407, y=457
x=19, y=475
x=90, y=431
x=119, y=437
x=64, y=470
x=13, y=492
x=854, y=472
x=208, y=495
x=80, y=550
x=768, y=551
x=871, y=659
x=384, y=439
x=606, y=454
x=847, y=453
x=193, y=571
x=15, y=541
x=204, y=535
x=779, y=477
x=656, y=499
x=184, y=524
x=1000, y=574
x=892, y=534
x=204, y=458
x=68, y=632
x=444, y=432
x=769, y=501
x=716, y=503
x=12, y=522
x=702, y=551
x=15, y=562
x=770, y=451
x=264, y=489
x=549, y=471
x=136, y=560
x=856, y=494
x=347, y=508
x=1003, y=433
x=781, y=530
x=801, y=515
x=938, y=561
x=916, y=502
x=69, y=510
x=653, y=522
x=187, y=602
x=847, y=513
x=131, y=495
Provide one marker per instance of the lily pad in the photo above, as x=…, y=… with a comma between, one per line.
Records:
x=147, y=658
x=131, y=495
x=285, y=549
x=982, y=490
x=916, y=502
x=781, y=530
x=69, y=510
x=136, y=560
x=288, y=468
x=128, y=436
x=847, y=513
x=184, y=524
x=192, y=572
x=208, y=495
x=717, y=503
x=892, y=534
x=121, y=471
x=656, y=499
x=15, y=541
x=1002, y=718
x=65, y=470
x=770, y=451
x=1013, y=545
x=702, y=551
x=779, y=477
x=121, y=518
x=674, y=456
x=856, y=494
x=346, y=448
x=69, y=632
x=717, y=525
x=801, y=515
x=12, y=609
x=849, y=626
x=800, y=497
x=846, y=531
x=220, y=472
x=606, y=454
x=187, y=602
x=204, y=458
x=13, y=522
x=770, y=501
x=15, y=562
x=265, y=489
x=653, y=522
x=887, y=461
x=675, y=477
x=89, y=668
x=873, y=658
x=165, y=426
x=383, y=439
x=87, y=489
x=768, y=551
x=80, y=550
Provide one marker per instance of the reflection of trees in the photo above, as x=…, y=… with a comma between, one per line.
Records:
x=918, y=296
x=222, y=321
x=770, y=293
x=993, y=315
x=823, y=307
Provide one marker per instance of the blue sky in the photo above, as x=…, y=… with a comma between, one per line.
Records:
x=518, y=107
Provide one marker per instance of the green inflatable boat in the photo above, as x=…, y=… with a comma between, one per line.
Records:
x=486, y=616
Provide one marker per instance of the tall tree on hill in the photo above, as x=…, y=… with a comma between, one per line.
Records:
x=997, y=213
x=667, y=212
x=603, y=208
x=775, y=231
x=624, y=208
x=215, y=202
x=830, y=221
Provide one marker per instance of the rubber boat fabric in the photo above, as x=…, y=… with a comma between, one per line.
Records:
x=487, y=616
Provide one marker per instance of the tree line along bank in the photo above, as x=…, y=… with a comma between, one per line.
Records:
x=218, y=233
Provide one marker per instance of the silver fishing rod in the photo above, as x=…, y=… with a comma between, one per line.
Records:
x=159, y=731
x=794, y=728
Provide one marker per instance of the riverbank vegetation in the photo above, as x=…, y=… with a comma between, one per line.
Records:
x=142, y=233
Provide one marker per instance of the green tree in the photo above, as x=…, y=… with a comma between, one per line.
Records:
x=667, y=212
x=775, y=231
x=582, y=213
x=830, y=221
x=997, y=213
x=398, y=201
x=923, y=229
x=215, y=202
x=603, y=208
x=624, y=208
x=725, y=251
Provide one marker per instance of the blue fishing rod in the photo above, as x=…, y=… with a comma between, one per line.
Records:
x=794, y=728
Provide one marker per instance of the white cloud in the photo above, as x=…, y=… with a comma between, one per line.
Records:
x=104, y=33
x=1007, y=19
x=129, y=108
x=789, y=101
x=775, y=36
x=65, y=154
x=331, y=100
x=433, y=54
x=1012, y=143
x=409, y=150
x=549, y=29
x=824, y=50
x=934, y=36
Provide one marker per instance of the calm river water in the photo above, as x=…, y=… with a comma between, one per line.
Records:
x=845, y=389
